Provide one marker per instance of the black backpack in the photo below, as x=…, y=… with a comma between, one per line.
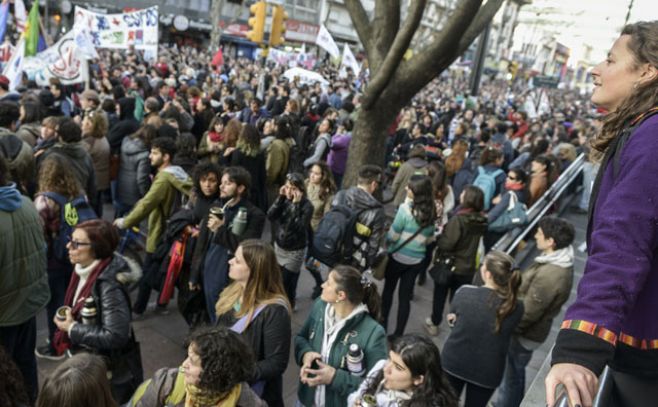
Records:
x=333, y=241
x=72, y=212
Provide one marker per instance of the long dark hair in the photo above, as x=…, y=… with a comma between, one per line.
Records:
x=437, y=172
x=327, y=183
x=357, y=289
x=422, y=358
x=507, y=279
x=643, y=44
x=424, y=209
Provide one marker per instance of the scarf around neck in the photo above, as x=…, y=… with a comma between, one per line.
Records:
x=197, y=397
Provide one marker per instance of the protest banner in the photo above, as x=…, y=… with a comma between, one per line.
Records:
x=120, y=31
x=65, y=60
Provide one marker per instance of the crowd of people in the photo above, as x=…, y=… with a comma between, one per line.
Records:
x=207, y=162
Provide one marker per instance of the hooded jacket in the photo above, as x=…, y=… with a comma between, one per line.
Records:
x=405, y=172
x=168, y=184
x=545, y=287
x=134, y=171
x=19, y=155
x=372, y=216
x=126, y=125
x=81, y=163
x=23, y=279
x=461, y=237
x=29, y=133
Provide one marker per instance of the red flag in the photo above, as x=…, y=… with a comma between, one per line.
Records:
x=218, y=59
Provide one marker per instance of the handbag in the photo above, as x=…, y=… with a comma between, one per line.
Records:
x=515, y=215
x=379, y=267
x=442, y=267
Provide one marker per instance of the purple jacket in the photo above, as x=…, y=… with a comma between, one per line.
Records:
x=337, y=158
x=614, y=319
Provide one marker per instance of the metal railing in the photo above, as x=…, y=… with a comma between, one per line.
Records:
x=510, y=241
x=601, y=399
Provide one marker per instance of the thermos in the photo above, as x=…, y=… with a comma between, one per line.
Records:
x=240, y=222
x=89, y=311
x=355, y=363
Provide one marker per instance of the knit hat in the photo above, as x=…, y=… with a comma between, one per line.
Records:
x=91, y=95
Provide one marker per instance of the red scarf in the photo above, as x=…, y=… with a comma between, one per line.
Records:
x=215, y=137
x=61, y=340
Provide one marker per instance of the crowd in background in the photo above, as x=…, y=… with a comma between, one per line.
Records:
x=208, y=162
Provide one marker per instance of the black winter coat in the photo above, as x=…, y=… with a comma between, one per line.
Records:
x=294, y=222
x=461, y=237
x=111, y=335
x=269, y=336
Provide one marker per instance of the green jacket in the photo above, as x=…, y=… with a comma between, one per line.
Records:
x=360, y=329
x=23, y=279
x=158, y=202
x=545, y=287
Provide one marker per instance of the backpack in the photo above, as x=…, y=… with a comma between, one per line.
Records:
x=72, y=213
x=333, y=241
x=486, y=181
x=515, y=215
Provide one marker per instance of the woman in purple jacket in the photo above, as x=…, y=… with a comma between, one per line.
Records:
x=340, y=143
x=613, y=320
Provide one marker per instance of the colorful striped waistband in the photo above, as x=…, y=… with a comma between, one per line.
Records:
x=609, y=336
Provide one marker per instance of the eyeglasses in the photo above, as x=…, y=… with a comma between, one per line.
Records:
x=76, y=245
x=511, y=179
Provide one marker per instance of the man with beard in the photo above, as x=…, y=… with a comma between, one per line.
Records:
x=169, y=186
x=221, y=232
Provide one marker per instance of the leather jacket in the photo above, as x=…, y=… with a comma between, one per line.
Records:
x=294, y=222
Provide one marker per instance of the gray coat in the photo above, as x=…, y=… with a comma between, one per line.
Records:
x=134, y=171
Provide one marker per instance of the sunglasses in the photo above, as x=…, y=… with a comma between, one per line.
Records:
x=76, y=245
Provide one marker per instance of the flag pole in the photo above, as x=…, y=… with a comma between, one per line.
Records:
x=46, y=37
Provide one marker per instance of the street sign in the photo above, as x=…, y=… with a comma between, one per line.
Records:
x=545, y=81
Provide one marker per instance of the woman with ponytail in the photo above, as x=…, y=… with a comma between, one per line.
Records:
x=613, y=319
x=411, y=232
x=482, y=320
x=343, y=320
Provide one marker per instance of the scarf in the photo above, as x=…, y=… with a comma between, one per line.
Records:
x=215, y=137
x=61, y=340
x=196, y=397
x=561, y=258
x=513, y=186
x=332, y=326
x=83, y=273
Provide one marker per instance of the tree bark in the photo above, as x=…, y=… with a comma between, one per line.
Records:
x=216, y=33
x=394, y=82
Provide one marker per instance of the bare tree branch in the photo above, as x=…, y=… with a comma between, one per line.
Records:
x=394, y=55
x=363, y=28
x=482, y=18
x=436, y=56
x=385, y=26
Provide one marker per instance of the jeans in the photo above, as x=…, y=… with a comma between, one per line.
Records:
x=512, y=388
x=589, y=175
x=441, y=292
x=476, y=396
x=290, y=279
x=19, y=341
x=150, y=275
x=406, y=275
x=59, y=275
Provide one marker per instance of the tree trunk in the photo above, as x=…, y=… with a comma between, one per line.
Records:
x=369, y=138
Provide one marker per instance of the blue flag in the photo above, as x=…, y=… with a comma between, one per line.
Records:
x=4, y=14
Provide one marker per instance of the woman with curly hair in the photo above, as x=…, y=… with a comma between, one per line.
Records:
x=411, y=377
x=255, y=305
x=55, y=179
x=214, y=374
